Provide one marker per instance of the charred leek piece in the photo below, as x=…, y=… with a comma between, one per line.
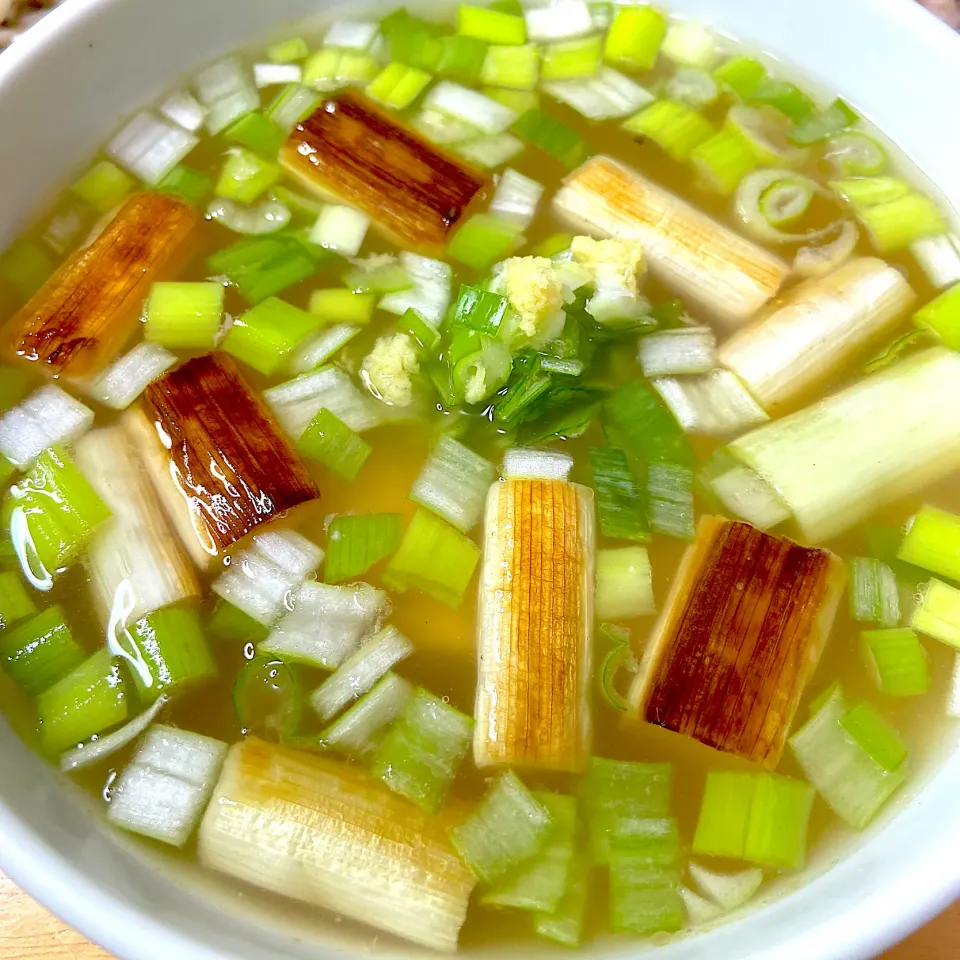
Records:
x=536, y=619
x=324, y=832
x=216, y=456
x=881, y=439
x=413, y=191
x=81, y=317
x=707, y=264
x=741, y=633
x=826, y=323
x=134, y=562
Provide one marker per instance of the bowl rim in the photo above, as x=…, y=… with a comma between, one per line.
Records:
x=872, y=925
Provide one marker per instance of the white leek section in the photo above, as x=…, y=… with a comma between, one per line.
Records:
x=516, y=198
x=699, y=910
x=726, y=276
x=134, y=562
x=149, y=148
x=491, y=152
x=47, y=417
x=183, y=108
x=341, y=229
x=727, y=890
x=358, y=673
x=561, y=20
x=715, y=404
x=324, y=832
x=322, y=347
x=685, y=350
x=824, y=325
x=690, y=43
x=624, y=584
x=533, y=464
x=263, y=580
x=296, y=402
x=430, y=293
x=326, y=624
x=164, y=791
x=276, y=74
x=98, y=749
x=474, y=108
x=126, y=378
x=605, y=96
x=355, y=731
x=227, y=91
x=453, y=483
x=939, y=258
x=886, y=437
x=745, y=495
x=351, y=34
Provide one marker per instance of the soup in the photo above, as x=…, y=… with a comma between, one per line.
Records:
x=487, y=479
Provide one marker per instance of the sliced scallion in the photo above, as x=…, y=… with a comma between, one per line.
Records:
x=267, y=699
x=330, y=441
x=937, y=613
x=184, y=315
x=39, y=652
x=265, y=335
x=675, y=127
x=551, y=136
x=483, y=240
x=514, y=67
x=356, y=541
x=635, y=37
x=571, y=59
x=942, y=316
x=897, y=660
x=621, y=503
x=490, y=25
x=873, y=592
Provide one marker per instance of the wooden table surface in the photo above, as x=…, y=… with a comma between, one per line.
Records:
x=29, y=932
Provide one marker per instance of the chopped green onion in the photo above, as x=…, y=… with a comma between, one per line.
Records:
x=624, y=584
x=565, y=924
x=228, y=622
x=551, y=136
x=329, y=69
x=421, y=753
x=266, y=699
x=621, y=503
x=932, y=541
x=259, y=133
x=397, y=85
x=895, y=225
x=898, y=661
x=414, y=323
x=483, y=240
x=873, y=592
x=853, y=784
x=25, y=267
x=618, y=657
x=942, y=315
x=433, y=557
x=645, y=876
x=288, y=51
x=864, y=192
x=854, y=154
x=356, y=731
x=635, y=37
x=245, y=176
x=676, y=128
x=343, y=306
x=519, y=101
x=937, y=613
x=540, y=885
x=784, y=96
x=509, y=827
x=463, y=58
x=51, y=514
x=480, y=310
x=264, y=336
x=761, y=818
x=724, y=160
x=169, y=651
x=480, y=365
x=373, y=277
x=453, y=483
x=647, y=426
x=15, y=602
x=184, y=315
x=356, y=541
x=89, y=700
x=413, y=41
x=512, y=67
x=816, y=127
x=490, y=25
x=617, y=790
x=571, y=59
x=186, y=183
x=262, y=267
x=331, y=442
x=298, y=203
x=741, y=76
x=103, y=186
x=39, y=652
x=522, y=397
x=880, y=741
x=296, y=102
x=670, y=494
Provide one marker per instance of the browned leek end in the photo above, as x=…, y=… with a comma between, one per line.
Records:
x=412, y=190
x=535, y=623
x=218, y=459
x=325, y=832
x=743, y=629
x=82, y=316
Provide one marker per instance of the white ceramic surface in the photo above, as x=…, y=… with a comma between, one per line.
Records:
x=62, y=89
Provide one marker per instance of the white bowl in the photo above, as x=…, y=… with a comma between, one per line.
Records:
x=62, y=90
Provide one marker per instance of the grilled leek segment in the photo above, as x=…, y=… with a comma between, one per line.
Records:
x=325, y=832
x=744, y=626
x=724, y=275
x=535, y=626
x=825, y=323
x=81, y=317
x=216, y=455
x=412, y=190
x=135, y=563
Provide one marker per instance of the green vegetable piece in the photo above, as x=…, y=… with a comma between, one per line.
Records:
x=330, y=441
x=39, y=652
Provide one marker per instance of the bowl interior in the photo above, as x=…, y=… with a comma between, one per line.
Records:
x=62, y=90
